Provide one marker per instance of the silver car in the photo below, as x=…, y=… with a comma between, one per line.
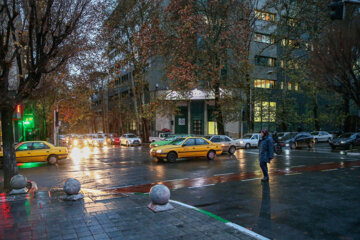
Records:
x=228, y=144
x=130, y=139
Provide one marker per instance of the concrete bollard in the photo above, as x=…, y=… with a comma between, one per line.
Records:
x=18, y=184
x=72, y=188
x=160, y=196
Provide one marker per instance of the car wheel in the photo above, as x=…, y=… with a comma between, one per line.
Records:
x=316, y=141
x=171, y=157
x=211, y=155
x=52, y=159
x=247, y=146
x=293, y=146
x=311, y=145
x=350, y=147
x=232, y=150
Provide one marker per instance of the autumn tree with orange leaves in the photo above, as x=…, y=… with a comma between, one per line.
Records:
x=206, y=45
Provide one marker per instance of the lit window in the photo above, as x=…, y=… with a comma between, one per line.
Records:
x=289, y=86
x=261, y=83
x=296, y=87
x=212, y=128
x=263, y=38
x=290, y=43
x=265, y=61
x=265, y=16
x=264, y=111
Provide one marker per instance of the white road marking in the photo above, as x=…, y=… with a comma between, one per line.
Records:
x=289, y=174
x=328, y=170
x=207, y=185
x=250, y=179
x=298, y=166
x=222, y=174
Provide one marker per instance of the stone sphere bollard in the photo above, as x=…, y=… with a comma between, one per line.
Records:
x=72, y=186
x=159, y=194
x=18, y=182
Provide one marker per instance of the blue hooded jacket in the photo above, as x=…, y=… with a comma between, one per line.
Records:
x=266, y=149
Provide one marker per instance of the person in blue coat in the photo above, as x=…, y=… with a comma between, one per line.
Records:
x=266, y=153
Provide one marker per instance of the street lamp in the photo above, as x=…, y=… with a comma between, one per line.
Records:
x=56, y=119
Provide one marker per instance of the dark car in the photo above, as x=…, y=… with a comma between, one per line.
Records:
x=346, y=140
x=298, y=140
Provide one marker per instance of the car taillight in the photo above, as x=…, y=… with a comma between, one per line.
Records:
x=282, y=144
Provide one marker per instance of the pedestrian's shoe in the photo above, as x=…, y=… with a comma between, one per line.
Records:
x=265, y=179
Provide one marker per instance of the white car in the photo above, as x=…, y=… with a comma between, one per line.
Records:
x=161, y=137
x=228, y=144
x=130, y=139
x=98, y=140
x=250, y=140
x=322, y=136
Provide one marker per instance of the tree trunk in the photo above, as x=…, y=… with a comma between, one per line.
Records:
x=219, y=116
x=9, y=159
x=146, y=130
x=316, y=113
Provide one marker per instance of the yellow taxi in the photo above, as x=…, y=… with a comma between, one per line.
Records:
x=187, y=147
x=38, y=151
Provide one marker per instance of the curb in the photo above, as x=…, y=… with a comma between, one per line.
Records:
x=226, y=222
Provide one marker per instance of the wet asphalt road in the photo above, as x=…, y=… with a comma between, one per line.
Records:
x=312, y=194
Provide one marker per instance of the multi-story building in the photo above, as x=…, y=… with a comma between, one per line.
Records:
x=195, y=112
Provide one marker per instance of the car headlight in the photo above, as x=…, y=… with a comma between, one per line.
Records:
x=343, y=142
x=156, y=145
x=104, y=143
x=287, y=145
x=159, y=151
x=241, y=142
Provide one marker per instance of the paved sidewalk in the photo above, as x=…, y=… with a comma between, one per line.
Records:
x=104, y=216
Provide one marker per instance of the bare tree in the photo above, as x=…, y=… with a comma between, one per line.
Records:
x=37, y=37
x=336, y=59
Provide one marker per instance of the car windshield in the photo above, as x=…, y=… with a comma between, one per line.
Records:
x=288, y=136
x=346, y=135
x=131, y=136
x=247, y=136
x=177, y=141
x=315, y=133
x=208, y=137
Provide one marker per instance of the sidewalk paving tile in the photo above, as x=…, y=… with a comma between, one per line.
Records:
x=126, y=218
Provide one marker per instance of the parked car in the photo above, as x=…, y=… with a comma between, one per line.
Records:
x=130, y=139
x=115, y=140
x=346, y=140
x=167, y=140
x=189, y=147
x=78, y=141
x=322, y=136
x=161, y=137
x=297, y=140
x=228, y=144
x=98, y=140
x=249, y=140
x=38, y=151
